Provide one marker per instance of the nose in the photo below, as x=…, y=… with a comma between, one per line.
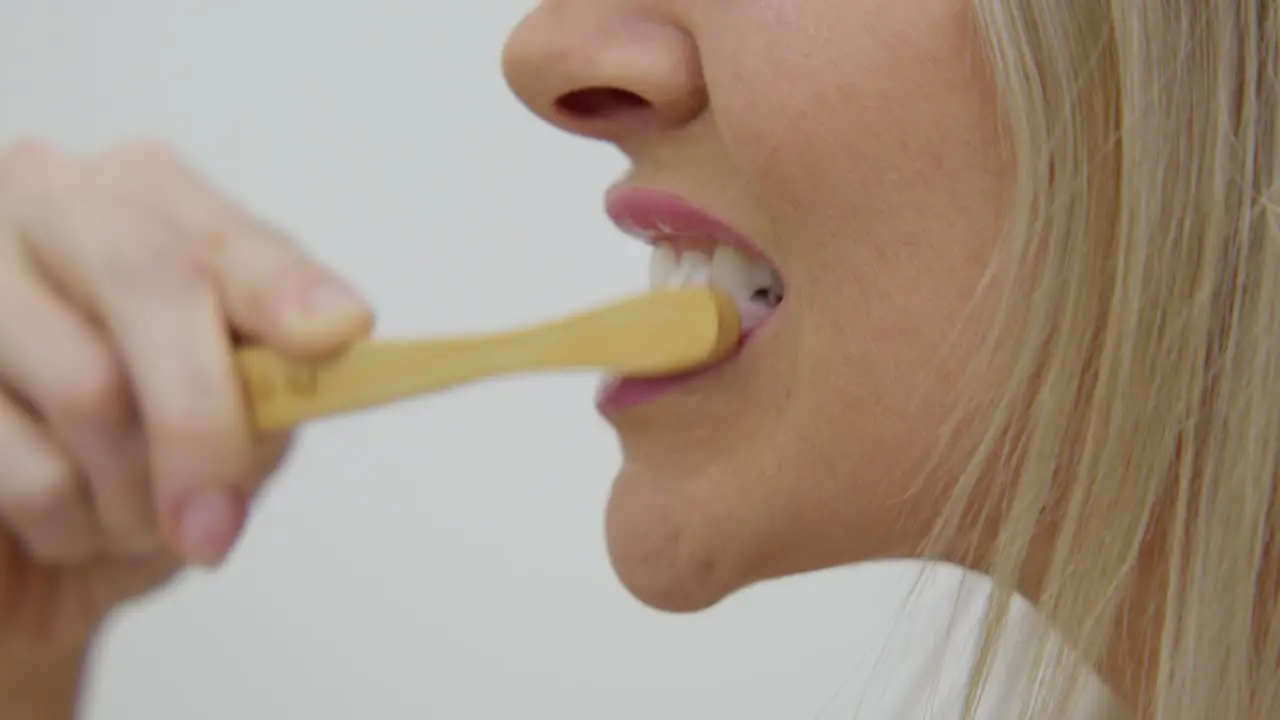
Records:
x=604, y=70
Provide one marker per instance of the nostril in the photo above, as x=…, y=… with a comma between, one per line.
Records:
x=597, y=103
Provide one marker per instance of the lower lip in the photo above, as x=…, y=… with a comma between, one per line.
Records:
x=619, y=394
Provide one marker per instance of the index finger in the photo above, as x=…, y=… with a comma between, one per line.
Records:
x=271, y=290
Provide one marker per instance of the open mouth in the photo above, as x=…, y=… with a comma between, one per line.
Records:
x=690, y=249
x=685, y=261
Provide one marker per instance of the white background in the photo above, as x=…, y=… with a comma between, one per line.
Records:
x=442, y=558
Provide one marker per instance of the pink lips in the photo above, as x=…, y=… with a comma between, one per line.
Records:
x=654, y=216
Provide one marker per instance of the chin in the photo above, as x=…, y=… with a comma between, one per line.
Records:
x=663, y=547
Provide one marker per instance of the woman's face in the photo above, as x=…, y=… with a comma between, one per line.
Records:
x=853, y=145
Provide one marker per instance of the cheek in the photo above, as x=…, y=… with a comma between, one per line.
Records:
x=851, y=117
x=873, y=149
x=879, y=157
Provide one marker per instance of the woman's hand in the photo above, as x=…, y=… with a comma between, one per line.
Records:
x=125, y=451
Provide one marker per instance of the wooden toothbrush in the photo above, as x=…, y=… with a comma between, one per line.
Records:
x=659, y=333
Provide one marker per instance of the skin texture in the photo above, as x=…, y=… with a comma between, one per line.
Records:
x=855, y=141
x=120, y=459
x=881, y=216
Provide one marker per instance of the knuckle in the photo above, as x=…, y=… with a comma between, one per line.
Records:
x=34, y=162
x=141, y=536
x=190, y=424
x=216, y=239
x=138, y=540
x=126, y=509
x=201, y=444
x=45, y=489
x=96, y=393
x=150, y=260
x=149, y=155
x=231, y=235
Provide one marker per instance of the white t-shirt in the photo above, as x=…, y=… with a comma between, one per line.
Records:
x=924, y=672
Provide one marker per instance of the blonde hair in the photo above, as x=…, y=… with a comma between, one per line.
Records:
x=1137, y=344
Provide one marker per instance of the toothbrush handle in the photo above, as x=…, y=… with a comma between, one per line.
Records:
x=654, y=334
x=283, y=392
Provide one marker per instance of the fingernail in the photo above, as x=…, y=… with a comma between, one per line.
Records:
x=208, y=525
x=330, y=297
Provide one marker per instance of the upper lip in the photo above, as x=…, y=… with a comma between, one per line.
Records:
x=651, y=215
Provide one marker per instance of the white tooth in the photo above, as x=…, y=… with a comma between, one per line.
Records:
x=695, y=269
x=677, y=276
x=739, y=275
x=662, y=265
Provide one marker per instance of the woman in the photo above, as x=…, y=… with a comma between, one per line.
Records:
x=1016, y=274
